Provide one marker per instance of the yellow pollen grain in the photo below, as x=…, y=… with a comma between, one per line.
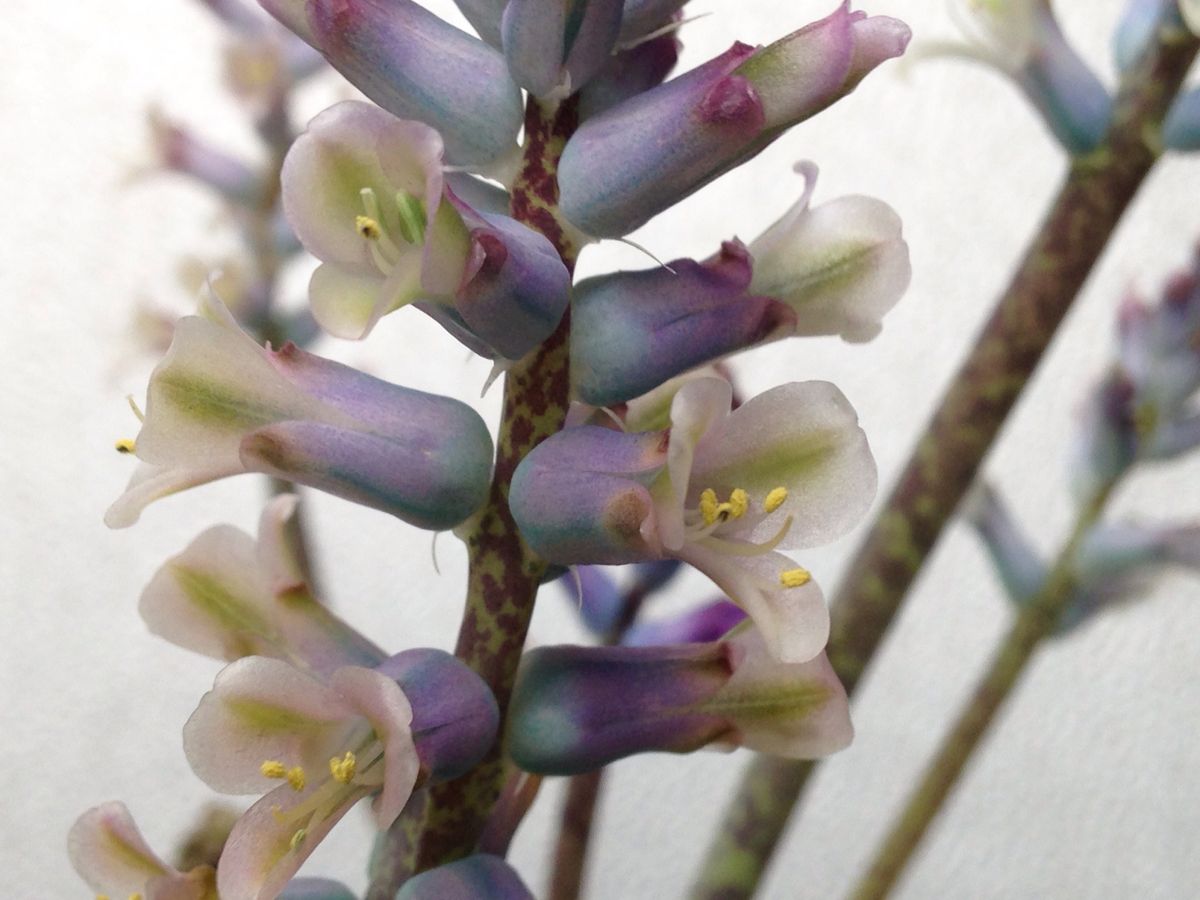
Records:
x=709, y=507
x=126, y=445
x=273, y=768
x=298, y=838
x=793, y=578
x=775, y=499
x=739, y=503
x=295, y=777
x=343, y=769
x=368, y=228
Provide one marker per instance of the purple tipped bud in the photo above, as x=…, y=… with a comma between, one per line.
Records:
x=554, y=47
x=479, y=877
x=179, y=150
x=1020, y=567
x=415, y=66
x=629, y=73
x=575, y=709
x=706, y=623
x=632, y=331
x=455, y=717
x=1106, y=443
x=627, y=165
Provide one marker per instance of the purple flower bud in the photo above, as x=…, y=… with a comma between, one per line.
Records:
x=554, y=47
x=179, y=150
x=316, y=889
x=629, y=73
x=1020, y=567
x=478, y=877
x=237, y=14
x=654, y=575
x=455, y=716
x=706, y=623
x=1106, y=442
x=625, y=166
x=631, y=331
x=484, y=16
x=575, y=709
x=415, y=66
x=599, y=600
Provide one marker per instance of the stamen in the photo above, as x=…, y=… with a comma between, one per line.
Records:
x=743, y=548
x=295, y=777
x=126, y=445
x=709, y=506
x=412, y=217
x=137, y=410
x=775, y=499
x=368, y=228
x=343, y=769
x=793, y=578
x=273, y=768
x=298, y=838
x=135, y=896
x=739, y=503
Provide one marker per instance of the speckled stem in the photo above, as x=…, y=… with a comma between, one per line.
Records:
x=504, y=574
x=1035, y=623
x=1097, y=190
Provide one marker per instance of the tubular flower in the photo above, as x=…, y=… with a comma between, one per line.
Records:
x=228, y=596
x=110, y=854
x=478, y=877
x=642, y=156
x=416, y=66
x=719, y=490
x=366, y=195
x=840, y=266
x=554, y=47
x=422, y=716
x=579, y=708
x=1022, y=39
x=219, y=404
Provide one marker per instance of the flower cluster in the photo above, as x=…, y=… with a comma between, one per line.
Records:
x=423, y=198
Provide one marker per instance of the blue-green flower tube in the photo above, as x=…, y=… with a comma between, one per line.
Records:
x=478, y=877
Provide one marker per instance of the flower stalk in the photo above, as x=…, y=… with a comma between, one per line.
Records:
x=504, y=574
x=1095, y=194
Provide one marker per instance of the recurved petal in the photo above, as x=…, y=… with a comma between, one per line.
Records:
x=258, y=710
x=349, y=301
x=794, y=621
x=109, y=852
x=150, y=483
x=803, y=437
x=263, y=851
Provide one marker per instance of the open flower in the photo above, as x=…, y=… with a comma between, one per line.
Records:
x=719, y=490
x=366, y=195
x=228, y=596
x=219, y=404
x=110, y=854
x=421, y=716
x=575, y=709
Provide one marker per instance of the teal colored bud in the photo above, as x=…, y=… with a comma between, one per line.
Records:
x=1181, y=129
x=554, y=47
x=1138, y=26
x=479, y=877
x=632, y=331
x=415, y=66
x=1021, y=568
x=642, y=156
x=575, y=709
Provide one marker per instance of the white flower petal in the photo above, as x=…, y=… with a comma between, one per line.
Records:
x=109, y=852
x=697, y=408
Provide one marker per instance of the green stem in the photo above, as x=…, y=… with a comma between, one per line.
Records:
x=1036, y=622
x=445, y=824
x=1097, y=191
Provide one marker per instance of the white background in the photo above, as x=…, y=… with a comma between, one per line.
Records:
x=1090, y=786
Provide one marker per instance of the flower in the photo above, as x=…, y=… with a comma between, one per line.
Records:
x=416, y=66
x=219, y=404
x=719, y=490
x=327, y=745
x=366, y=194
x=228, y=596
x=110, y=854
x=478, y=877
x=575, y=709
x=640, y=157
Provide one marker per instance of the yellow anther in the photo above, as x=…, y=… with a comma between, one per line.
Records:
x=795, y=577
x=368, y=228
x=102, y=897
x=135, y=896
x=709, y=506
x=775, y=499
x=343, y=769
x=126, y=445
x=295, y=777
x=273, y=768
x=739, y=503
x=298, y=838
